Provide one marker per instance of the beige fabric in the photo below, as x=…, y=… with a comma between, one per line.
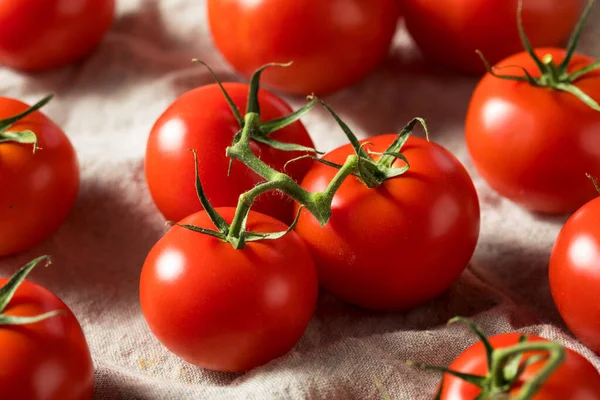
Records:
x=107, y=105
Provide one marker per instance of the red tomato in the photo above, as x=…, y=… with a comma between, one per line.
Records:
x=226, y=309
x=575, y=274
x=535, y=145
x=576, y=378
x=449, y=31
x=46, y=360
x=38, y=189
x=201, y=119
x=402, y=243
x=333, y=44
x=43, y=34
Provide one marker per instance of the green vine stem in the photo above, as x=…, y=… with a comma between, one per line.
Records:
x=552, y=76
x=506, y=366
x=23, y=137
x=10, y=288
x=361, y=164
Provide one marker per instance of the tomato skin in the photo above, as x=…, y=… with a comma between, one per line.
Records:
x=449, y=31
x=226, y=309
x=201, y=120
x=576, y=378
x=47, y=360
x=42, y=34
x=575, y=274
x=426, y=219
x=534, y=145
x=38, y=190
x=346, y=40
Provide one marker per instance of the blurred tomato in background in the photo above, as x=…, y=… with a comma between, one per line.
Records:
x=449, y=31
x=43, y=34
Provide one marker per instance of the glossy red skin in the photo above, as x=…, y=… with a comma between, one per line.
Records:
x=43, y=34
x=533, y=145
x=225, y=309
x=38, y=190
x=449, y=31
x=575, y=274
x=576, y=378
x=401, y=244
x=201, y=119
x=48, y=360
x=333, y=44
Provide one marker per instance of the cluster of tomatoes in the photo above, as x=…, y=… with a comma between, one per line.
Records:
x=260, y=219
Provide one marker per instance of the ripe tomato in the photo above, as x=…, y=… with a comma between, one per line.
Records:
x=46, y=360
x=226, y=309
x=38, y=189
x=201, y=119
x=333, y=44
x=576, y=378
x=535, y=145
x=402, y=243
x=575, y=274
x=449, y=31
x=43, y=34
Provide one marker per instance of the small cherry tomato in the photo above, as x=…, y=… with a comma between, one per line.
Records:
x=402, y=243
x=449, y=31
x=534, y=145
x=576, y=378
x=226, y=309
x=38, y=189
x=332, y=44
x=44, y=360
x=201, y=120
x=43, y=34
x=575, y=274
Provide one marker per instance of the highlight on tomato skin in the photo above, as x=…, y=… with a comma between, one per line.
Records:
x=400, y=244
x=448, y=32
x=201, y=119
x=226, y=309
x=332, y=44
x=39, y=188
x=37, y=35
x=574, y=274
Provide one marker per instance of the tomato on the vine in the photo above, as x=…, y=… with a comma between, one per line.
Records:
x=575, y=378
x=42, y=358
x=532, y=144
x=333, y=44
x=43, y=34
x=39, y=188
x=202, y=120
x=226, y=309
x=402, y=243
x=575, y=274
x=448, y=32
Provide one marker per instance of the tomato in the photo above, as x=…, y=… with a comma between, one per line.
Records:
x=333, y=44
x=535, y=145
x=226, y=309
x=38, y=189
x=575, y=274
x=46, y=360
x=449, y=31
x=42, y=34
x=201, y=119
x=576, y=378
x=400, y=244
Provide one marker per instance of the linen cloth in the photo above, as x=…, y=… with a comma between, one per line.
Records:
x=107, y=104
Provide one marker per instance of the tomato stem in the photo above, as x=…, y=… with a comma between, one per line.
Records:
x=23, y=137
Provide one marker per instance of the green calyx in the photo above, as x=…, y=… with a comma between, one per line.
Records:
x=23, y=137
x=9, y=289
x=374, y=172
x=506, y=366
x=553, y=76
